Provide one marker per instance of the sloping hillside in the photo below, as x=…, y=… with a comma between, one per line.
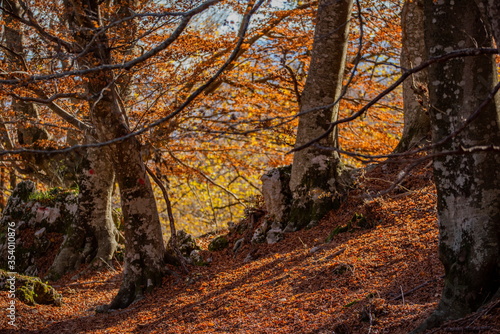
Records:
x=369, y=267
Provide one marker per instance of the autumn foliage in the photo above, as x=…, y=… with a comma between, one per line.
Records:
x=215, y=150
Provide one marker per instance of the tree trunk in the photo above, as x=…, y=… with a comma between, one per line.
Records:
x=94, y=212
x=25, y=111
x=94, y=236
x=94, y=204
x=415, y=92
x=468, y=185
x=491, y=14
x=315, y=173
x=73, y=252
x=144, y=247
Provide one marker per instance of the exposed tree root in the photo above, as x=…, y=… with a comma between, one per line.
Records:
x=439, y=321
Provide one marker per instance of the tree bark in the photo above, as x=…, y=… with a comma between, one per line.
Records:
x=315, y=172
x=26, y=135
x=144, y=247
x=3, y=188
x=491, y=14
x=73, y=251
x=95, y=230
x=95, y=227
x=96, y=191
x=416, y=129
x=468, y=185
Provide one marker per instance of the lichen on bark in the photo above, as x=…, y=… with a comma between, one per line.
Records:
x=318, y=193
x=467, y=183
x=144, y=246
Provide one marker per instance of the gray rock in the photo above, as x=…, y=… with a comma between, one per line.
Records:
x=186, y=243
x=196, y=258
x=51, y=212
x=315, y=249
x=39, y=233
x=238, y=244
x=31, y=271
x=312, y=224
x=290, y=227
x=274, y=235
x=276, y=192
x=218, y=244
x=250, y=257
x=259, y=235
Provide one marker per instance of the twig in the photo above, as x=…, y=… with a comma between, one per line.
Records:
x=295, y=82
x=206, y=177
x=474, y=316
x=484, y=311
x=173, y=231
x=305, y=246
x=416, y=288
x=107, y=264
x=85, y=283
x=117, y=261
x=337, y=253
x=468, y=329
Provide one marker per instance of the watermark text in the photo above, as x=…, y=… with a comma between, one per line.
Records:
x=11, y=277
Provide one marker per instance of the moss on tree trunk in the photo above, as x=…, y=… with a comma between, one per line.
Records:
x=93, y=235
x=315, y=173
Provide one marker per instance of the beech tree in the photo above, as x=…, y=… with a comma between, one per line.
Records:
x=490, y=9
x=465, y=115
x=27, y=134
x=416, y=129
x=144, y=248
x=95, y=224
x=315, y=177
x=93, y=64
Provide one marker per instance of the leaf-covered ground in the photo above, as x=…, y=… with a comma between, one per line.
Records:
x=379, y=274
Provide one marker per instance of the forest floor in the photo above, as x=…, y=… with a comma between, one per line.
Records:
x=379, y=274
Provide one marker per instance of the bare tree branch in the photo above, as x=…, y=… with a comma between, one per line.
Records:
x=51, y=99
x=173, y=230
x=32, y=22
x=241, y=38
x=186, y=18
x=206, y=177
x=406, y=74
